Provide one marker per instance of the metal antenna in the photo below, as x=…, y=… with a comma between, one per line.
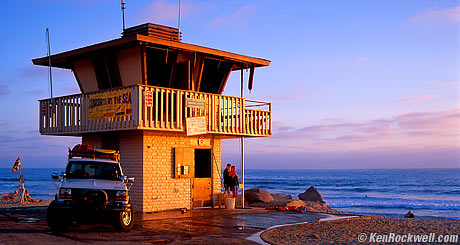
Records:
x=178, y=23
x=49, y=62
x=123, y=13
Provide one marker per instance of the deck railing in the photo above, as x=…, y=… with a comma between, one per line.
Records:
x=153, y=108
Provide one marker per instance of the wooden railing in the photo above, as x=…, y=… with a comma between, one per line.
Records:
x=156, y=108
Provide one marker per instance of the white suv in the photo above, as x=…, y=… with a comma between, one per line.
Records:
x=93, y=188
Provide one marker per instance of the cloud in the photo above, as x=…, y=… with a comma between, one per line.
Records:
x=42, y=71
x=418, y=130
x=449, y=15
x=162, y=11
x=355, y=60
x=419, y=99
x=238, y=18
x=34, y=144
x=4, y=90
x=297, y=93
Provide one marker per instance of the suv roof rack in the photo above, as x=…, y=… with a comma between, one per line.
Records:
x=88, y=152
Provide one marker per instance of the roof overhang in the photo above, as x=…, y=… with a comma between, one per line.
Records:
x=65, y=59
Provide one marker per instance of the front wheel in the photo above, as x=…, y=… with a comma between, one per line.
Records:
x=56, y=221
x=125, y=220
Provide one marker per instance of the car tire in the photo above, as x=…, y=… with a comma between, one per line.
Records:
x=124, y=221
x=56, y=221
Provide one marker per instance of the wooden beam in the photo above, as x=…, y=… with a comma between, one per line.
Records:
x=200, y=73
x=188, y=75
x=173, y=72
x=144, y=65
x=224, y=81
x=78, y=80
x=251, y=77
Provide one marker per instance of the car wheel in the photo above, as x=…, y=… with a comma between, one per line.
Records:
x=55, y=220
x=125, y=220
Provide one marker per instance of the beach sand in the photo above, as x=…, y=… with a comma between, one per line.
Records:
x=17, y=204
x=347, y=231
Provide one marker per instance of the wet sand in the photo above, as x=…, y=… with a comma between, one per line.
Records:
x=20, y=225
x=349, y=230
x=206, y=226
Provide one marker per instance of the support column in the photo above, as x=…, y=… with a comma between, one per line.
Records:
x=242, y=144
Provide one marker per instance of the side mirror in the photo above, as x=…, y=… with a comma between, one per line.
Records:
x=126, y=179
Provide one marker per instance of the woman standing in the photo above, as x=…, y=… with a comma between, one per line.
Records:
x=235, y=182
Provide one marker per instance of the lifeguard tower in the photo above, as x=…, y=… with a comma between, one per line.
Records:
x=159, y=102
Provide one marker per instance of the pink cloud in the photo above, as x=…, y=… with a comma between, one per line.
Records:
x=418, y=130
x=444, y=15
x=420, y=99
x=297, y=93
x=4, y=90
x=440, y=123
x=238, y=18
x=162, y=11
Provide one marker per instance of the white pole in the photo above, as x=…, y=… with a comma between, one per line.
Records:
x=242, y=144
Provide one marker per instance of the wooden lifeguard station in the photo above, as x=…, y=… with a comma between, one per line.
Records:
x=159, y=102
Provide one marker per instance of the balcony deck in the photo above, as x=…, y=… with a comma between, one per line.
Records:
x=144, y=107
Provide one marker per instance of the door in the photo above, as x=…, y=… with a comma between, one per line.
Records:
x=202, y=189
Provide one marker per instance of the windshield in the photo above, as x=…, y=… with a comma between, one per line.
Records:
x=92, y=170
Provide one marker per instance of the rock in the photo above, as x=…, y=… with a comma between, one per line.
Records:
x=410, y=214
x=257, y=195
x=312, y=195
x=280, y=196
x=296, y=202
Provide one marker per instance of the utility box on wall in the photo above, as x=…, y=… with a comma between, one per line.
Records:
x=184, y=159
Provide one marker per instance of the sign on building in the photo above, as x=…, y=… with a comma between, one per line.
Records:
x=196, y=125
x=148, y=98
x=109, y=104
x=195, y=103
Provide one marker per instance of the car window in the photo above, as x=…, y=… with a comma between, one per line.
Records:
x=93, y=170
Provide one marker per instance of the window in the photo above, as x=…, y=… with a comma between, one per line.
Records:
x=93, y=170
x=107, y=73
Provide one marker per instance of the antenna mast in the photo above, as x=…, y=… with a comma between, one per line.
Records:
x=123, y=13
x=178, y=22
x=49, y=62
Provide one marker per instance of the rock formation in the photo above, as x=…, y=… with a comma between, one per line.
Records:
x=312, y=195
x=257, y=195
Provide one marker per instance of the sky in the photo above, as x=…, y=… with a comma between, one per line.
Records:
x=354, y=84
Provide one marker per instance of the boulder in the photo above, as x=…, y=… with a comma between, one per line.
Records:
x=280, y=196
x=312, y=195
x=257, y=195
x=296, y=202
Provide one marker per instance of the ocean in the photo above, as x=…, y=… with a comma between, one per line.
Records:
x=430, y=193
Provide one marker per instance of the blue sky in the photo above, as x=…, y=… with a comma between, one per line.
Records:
x=354, y=84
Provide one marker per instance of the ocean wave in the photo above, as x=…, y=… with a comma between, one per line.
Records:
x=413, y=206
x=9, y=178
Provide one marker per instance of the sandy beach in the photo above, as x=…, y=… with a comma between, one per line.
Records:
x=17, y=204
x=348, y=231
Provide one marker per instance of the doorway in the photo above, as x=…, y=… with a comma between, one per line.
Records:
x=202, y=189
